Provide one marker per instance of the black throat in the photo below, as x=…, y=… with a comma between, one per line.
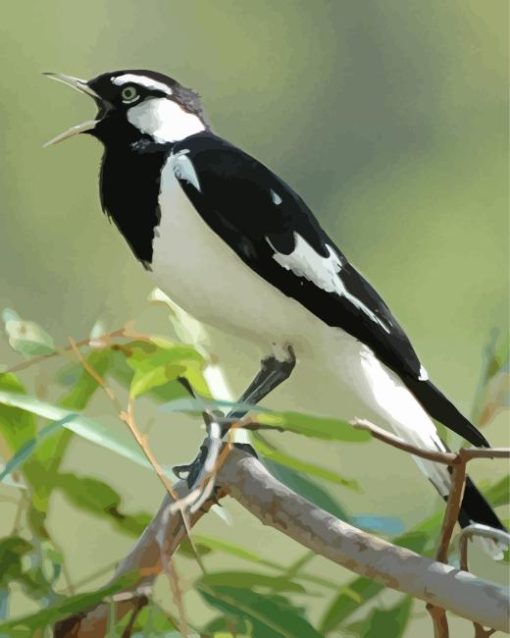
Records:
x=129, y=187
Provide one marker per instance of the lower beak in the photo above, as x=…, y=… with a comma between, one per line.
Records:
x=82, y=87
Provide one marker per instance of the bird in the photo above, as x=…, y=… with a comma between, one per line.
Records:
x=234, y=245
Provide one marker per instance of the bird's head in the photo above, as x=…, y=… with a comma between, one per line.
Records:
x=134, y=105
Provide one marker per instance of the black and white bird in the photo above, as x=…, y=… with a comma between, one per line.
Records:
x=238, y=248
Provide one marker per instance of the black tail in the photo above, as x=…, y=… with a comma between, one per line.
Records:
x=434, y=402
x=475, y=509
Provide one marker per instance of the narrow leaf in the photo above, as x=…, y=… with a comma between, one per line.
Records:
x=313, y=426
x=270, y=616
x=310, y=469
x=28, y=449
x=499, y=493
x=385, y=622
x=157, y=362
x=216, y=544
x=116, y=440
x=100, y=499
x=66, y=606
x=249, y=580
x=17, y=427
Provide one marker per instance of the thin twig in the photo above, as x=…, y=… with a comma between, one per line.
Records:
x=439, y=621
x=173, y=578
x=471, y=453
x=107, y=336
x=451, y=513
x=127, y=416
x=447, y=458
x=93, y=373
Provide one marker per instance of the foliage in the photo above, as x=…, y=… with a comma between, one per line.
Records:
x=262, y=597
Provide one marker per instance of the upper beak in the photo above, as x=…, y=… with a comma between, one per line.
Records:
x=82, y=87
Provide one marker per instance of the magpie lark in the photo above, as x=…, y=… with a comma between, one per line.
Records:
x=234, y=245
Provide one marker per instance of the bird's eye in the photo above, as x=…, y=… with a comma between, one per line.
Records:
x=129, y=94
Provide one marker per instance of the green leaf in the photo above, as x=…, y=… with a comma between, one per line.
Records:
x=42, y=467
x=385, y=622
x=123, y=374
x=207, y=544
x=185, y=549
x=65, y=606
x=26, y=337
x=499, y=493
x=4, y=602
x=270, y=616
x=497, y=357
x=223, y=626
x=118, y=441
x=492, y=393
x=313, y=426
x=26, y=450
x=310, y=469
x=12, y=550
x=17, y=427
x=249, y=580
x=36, y=575
x=154, y=621
x=360, y=591
x=157, y=362
x=100, y=499
x=85, y=385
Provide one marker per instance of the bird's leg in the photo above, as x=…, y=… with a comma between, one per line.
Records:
x=273, y=371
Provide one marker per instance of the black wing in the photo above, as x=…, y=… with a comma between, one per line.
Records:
x=261, y=218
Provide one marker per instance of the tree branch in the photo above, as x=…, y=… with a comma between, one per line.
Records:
x=243, y=477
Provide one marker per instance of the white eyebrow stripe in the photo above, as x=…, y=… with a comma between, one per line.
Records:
x=142, y=80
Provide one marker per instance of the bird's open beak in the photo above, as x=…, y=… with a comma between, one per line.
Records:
x=82, y=87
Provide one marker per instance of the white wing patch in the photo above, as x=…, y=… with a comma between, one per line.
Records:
x=141, y=80
x=184, y=169
x=424, y=375
x=277, y=200
x=324, y=272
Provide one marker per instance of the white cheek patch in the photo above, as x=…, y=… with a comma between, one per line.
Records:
x=184, y=169
x=324, y=272
x=164, y=120
x=141, y=80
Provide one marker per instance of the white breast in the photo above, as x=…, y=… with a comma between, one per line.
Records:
x=197, y=269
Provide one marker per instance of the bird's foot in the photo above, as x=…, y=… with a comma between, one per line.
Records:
x=191, y=471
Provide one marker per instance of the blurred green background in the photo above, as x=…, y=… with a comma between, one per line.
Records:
x=390, y=119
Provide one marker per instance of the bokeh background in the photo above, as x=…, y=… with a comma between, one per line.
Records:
x=390, y=119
